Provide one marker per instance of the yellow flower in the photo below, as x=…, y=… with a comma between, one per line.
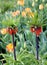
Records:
x=9, y=47
x=41, y=6
x=27, y=10
x=3, y=31
x=23, y=13
x=20, y=2
x=15, y=13
x=31, y=14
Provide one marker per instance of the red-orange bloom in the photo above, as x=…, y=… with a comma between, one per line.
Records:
x=12, y=31
x=36, y=30
x=32, y=29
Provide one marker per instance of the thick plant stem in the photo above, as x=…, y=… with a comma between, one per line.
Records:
x=14, y=46
x=37, y=48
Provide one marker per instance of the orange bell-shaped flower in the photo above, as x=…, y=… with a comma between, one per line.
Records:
x=36, y=30
x=12, y=31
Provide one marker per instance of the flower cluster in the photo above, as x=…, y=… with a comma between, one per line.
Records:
x=36, y=30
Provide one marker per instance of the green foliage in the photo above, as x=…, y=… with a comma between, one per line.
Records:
x=9, y=22
x=25, y=49
x=37, y=20
x=24, y=58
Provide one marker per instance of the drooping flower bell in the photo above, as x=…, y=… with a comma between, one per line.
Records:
x=36, y=30
x=12, y=31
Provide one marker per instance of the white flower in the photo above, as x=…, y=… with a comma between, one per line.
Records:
x=36, y=0
x=43, y=0
x=33, y=4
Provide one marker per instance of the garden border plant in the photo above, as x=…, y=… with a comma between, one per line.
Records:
x=12, y=28
x=36, y=23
